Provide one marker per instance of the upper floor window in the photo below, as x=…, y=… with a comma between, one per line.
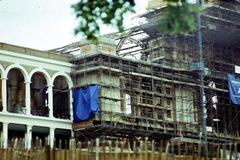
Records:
x=15, y=91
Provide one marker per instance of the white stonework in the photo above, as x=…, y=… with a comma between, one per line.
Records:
x=42, y=64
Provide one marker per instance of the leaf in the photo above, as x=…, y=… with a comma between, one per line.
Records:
x=178, y=16
x=92, y=13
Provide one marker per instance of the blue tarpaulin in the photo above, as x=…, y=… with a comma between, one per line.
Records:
x=234, y=88
x=85, y=102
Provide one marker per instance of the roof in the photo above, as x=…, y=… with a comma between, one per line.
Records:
x=34, y=52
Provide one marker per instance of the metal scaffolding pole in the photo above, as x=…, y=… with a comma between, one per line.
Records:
x=203, y=109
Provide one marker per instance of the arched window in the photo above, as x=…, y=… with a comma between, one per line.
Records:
x=15, y=91
x=39, y=95
x=61, y=98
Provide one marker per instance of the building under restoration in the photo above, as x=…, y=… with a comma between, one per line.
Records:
x=142, y=84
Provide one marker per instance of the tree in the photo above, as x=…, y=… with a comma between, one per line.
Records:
x=178, y=16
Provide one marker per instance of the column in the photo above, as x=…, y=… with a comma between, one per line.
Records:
x=116, y=146
x=4, y=94
x=153, y=146
x=28, y=137
x=71, y=104
x=51, y=137
x=72, y=133
x=146, y=148
x=129, y=146
x=50, y=100
x=28, y=98
x=5, y=135
x=97, y=148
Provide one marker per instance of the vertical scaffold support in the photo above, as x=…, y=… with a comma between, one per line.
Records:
x=203, y=109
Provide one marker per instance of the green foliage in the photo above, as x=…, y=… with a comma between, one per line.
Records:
x=177, y=16
x=92, y=13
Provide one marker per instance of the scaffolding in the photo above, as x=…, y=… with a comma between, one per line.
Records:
x=149, y=82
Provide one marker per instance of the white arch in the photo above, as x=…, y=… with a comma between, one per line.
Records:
x=21, y=68
x=65, y=75
x=1, y=71
x=70, y=85
x=44, y=72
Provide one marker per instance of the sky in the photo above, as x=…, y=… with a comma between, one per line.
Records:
x=46, y=24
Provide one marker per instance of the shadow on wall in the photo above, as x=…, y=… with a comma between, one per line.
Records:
x=15, y=91
x=39, y=95
x=61, y=98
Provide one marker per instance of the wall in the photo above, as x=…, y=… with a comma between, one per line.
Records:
x=28, y=62
x=109, y=98
x=184, y=104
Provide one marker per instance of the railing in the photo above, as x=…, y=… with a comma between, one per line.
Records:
x=62, y=115
x=42, y=111
x=17, y=109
